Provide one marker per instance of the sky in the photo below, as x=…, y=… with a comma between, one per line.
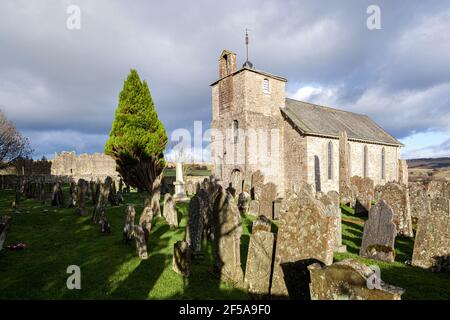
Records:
x=60, y=85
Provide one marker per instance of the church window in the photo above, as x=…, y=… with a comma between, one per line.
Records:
x=366, y=164
x=235, y=131
x=383, y=164
x=266, y=85
x=330, y=160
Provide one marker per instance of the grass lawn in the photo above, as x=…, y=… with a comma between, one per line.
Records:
x=57, y=238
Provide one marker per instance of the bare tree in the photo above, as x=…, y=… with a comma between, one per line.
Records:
x=13, y=145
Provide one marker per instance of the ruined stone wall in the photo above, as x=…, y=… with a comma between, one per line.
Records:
x=318, y=146
x=86, y=166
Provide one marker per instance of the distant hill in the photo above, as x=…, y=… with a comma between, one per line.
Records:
x=429, y=163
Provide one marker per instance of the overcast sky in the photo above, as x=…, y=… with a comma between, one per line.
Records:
x=60, y=86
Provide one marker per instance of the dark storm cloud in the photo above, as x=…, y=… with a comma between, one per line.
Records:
x=61, y=86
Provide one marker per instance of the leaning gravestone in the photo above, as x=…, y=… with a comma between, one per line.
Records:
x=141, y=243
x=379, y=234
x=181, y=262
x=262, y=223
x=5, y=222
x=419, y=200
x=170, y=211
x=432, y=244
x=128, y=228
x=305, y=231
x=227, y=239
x=253, y=208
x=349, y=280
x=194, y=228
x=259, y=262
x=397, y=197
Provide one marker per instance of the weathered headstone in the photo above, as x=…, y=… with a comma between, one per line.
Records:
x=170, y=211
x=403, y=172
x=181, y=262
x=349, y=280
x=128, y=228
x=243, y=202
x=262, y=223
x=141, y=242
x=5, y=222
x=145, y=221
x=102, y=200
x=227, y=237
x=194, y=228
x=268, y=196
x=432, y=243
x=83, y=188
x=259, y=262
x=379, y=234
x=332, y=209
x=253, y=208
x=277, y=204
x=73, y=192
x=257, y=185
x=57, y=195
x=305, y=231
x=206, y=210
x=437, y=188
x=397, y=197
x=364, y=188
x=419, y=200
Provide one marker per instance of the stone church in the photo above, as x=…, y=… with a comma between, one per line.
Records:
x=302, y=143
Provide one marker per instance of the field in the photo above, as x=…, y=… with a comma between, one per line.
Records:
x=110, y=269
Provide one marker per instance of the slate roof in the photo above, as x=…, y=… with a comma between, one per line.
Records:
x=312, y=119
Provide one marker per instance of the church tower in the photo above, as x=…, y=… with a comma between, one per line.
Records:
x=246, y=103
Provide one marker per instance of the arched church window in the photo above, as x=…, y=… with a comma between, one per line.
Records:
x=383, y=164
x=330, y=160
x=366, y=164
x=266, y=85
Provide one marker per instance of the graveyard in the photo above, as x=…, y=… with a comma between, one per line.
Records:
x=57, y=237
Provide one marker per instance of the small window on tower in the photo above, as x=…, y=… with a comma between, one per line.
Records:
x=266, y=86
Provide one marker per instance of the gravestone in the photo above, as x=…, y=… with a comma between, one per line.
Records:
x=349, y=280
x=155, y=205
x=259, y=263
x=268, y=196
x=432, y=243
x=181, y=261
x=277, y=204
x=364, y=188
x=262, y=223
x=332, y=209
x=419, y=200
x=83, y=188
x=379, y=234
x=403, y=172
x=397, y=197
x=227, y=239
x=437, y=188
x=145, y=221
x=206, y=211
x=102, y=200
x=231, y=190
x=253, y=208
x=243, y=202
x=194, y=228
x=141, y=242
x=257, y=182
x=73, y=192
x=5, y=222
x=57, y=195
x=170, y=211
x=305, y=231
x=128, y=228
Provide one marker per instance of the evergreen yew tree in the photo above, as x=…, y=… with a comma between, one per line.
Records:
x=137, y=138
